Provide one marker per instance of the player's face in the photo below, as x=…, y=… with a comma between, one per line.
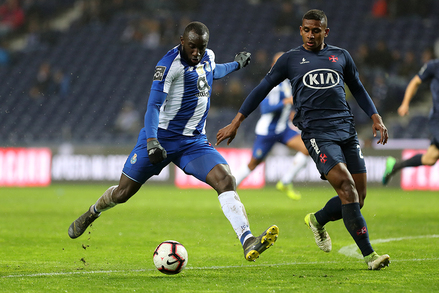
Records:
x=193, y=47
x=313, y=34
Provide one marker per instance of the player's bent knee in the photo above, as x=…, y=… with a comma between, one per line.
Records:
x=429, y=162
x=347, y=192
x=227, y=183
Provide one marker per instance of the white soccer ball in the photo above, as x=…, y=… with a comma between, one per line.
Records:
x=170, y=257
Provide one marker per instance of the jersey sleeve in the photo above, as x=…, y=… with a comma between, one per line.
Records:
x=427, y=71
x=155, y=101
x=163, y=78
x=165, y=72
x=357, y=89
x=222, y=70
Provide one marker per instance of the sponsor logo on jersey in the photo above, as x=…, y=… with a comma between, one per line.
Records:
x=304, y=61
x=321, y=78
x=202, y=94
x=203, y=87
x=159, y=73
x=314, y=145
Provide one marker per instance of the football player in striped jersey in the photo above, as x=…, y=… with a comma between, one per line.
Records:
x=174, y=131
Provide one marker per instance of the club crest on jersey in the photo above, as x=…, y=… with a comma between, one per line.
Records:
x=323, y=78
x=323, y=158
x=207, y=66
x=159, y=73
x=333, y=58
x=133, y=159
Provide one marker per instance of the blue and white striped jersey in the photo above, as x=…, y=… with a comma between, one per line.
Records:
x=188, y=89
x=274, y=114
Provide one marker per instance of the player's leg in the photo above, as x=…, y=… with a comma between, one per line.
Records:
x=353, y=157
x=296, y=143
x=201, y=160
x=245, y=170
x=344, y=184
x=360, y=180
x=205, y=163
x=211, y=168
x=325, y=155
x=221, y=179
x=117, y=194
x=431, y=156
x=427, y=159
x=261, y=146
x=332, y=210
x=349, y=179
x=111, y=197
x=136, y=171
x=373, y=260
x=234, y=211
x=300, y=160
x=332, y=155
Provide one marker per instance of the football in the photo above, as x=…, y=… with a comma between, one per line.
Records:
x=170, y=257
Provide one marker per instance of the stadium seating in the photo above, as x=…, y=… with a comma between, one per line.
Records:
x=105, y=72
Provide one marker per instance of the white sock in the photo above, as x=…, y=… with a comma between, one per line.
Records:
x=105, y=202
x=299, y=162
x=241, y=174
x=234, y=211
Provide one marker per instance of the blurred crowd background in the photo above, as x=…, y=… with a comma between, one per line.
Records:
x=80, y=71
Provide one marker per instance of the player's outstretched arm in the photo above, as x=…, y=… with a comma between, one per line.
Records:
x=410, y=92
x=378, y=125
x=230, y=130
x=241, y=60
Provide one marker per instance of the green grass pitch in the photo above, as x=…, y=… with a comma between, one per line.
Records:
x=115, y=254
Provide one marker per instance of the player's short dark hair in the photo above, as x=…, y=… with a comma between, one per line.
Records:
x=197, y=27
x=316, y=14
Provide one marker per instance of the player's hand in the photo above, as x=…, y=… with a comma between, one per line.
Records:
x=227, y=132
x=403, y=110
x=156, y=152
x=378, y=125
x=243, y=59
x=230, y=130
